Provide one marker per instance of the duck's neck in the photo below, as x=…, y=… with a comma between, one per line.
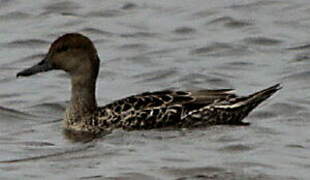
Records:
x=83, y=99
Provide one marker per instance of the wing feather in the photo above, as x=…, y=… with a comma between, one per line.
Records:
x=162, y=99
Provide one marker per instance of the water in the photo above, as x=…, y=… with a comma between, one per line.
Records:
x=153, y=45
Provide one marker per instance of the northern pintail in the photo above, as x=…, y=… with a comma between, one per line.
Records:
x=77, y=55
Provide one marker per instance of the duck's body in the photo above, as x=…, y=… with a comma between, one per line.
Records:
x=76, y=54
x=170, y=109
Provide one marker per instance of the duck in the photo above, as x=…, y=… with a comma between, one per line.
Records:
x=76, y=54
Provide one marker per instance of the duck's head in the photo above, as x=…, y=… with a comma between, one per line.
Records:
x=73, y=53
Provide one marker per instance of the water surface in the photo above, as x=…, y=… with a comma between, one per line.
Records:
x=153, y=45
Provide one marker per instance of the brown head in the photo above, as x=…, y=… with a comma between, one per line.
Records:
x=73, y=53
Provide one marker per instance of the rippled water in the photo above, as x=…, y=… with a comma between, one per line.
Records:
x=152, y=45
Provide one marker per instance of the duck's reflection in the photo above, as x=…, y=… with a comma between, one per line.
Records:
x=81, y=136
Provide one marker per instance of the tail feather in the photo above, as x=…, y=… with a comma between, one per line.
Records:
x=252, y=100
x=242, y=106
x=262, y=95
x=231, y=110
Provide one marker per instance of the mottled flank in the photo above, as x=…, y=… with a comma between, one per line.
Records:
x=76, y=54
x=176, y=109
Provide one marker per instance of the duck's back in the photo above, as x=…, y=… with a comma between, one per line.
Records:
x=178, y=109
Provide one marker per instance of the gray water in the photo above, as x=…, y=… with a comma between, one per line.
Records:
x=153, y=45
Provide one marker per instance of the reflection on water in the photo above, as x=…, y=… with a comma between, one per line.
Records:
x=144, y=45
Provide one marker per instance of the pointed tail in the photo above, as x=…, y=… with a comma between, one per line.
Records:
x=252, y=100
x=242, y=106
x=255, y=99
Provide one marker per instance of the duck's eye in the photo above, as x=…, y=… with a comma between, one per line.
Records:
x=63, y=49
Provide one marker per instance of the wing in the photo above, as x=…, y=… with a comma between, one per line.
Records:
x=157, y=109
x=162, y=99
